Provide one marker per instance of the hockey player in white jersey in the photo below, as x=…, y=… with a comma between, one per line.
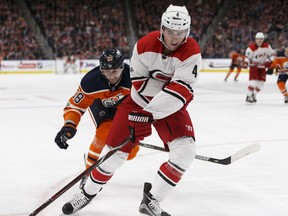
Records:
x=259, y=55
x=164, y=68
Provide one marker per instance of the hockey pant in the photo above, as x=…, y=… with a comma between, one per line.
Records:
x=99, y=142
x=177, y=133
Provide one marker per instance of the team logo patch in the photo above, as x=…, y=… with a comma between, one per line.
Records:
x=159, y=75
x=112, y=101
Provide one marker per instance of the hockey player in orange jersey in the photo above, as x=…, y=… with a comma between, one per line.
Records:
x=281, y=65
x=236, y=61
x=100, y=91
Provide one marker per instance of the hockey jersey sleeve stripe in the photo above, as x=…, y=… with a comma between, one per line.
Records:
x=71, y=106
x=181, y=90
x=138, y=78
x=175, y=94
x=73, y=110
x=144, y=98
x=140, y=86
x=185, y=84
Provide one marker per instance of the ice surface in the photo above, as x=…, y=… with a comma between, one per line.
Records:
x=33, y=168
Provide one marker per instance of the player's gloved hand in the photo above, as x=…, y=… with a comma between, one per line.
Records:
x=244, y=65
x=67, y=132
x=139, y=125
x=268, y=64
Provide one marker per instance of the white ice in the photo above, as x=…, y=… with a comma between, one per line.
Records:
x=33, y=168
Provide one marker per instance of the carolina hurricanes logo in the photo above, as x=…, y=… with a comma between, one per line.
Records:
x=159, y=75
x=260, y=55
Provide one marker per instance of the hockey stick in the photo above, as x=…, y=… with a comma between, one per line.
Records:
x=215, y=65
x=79, y=177
x=225, y=161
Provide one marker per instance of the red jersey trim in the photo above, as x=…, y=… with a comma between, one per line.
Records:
x=151, y=43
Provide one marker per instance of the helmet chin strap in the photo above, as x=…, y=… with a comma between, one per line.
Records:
x=162, y=41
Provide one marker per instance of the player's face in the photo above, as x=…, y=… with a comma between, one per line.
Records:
x=173, y=38
x=259, y=41
x=112, y=75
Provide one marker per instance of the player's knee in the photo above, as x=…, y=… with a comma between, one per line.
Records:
x=114, y=162
x=98, y=143
x=260, y=84
x=182, y=151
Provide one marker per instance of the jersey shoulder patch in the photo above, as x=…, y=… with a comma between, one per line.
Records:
x=93, y=81
x=149, y=43
x=187, y=50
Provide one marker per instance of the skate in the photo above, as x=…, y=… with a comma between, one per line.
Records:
x=78, y=202
x=286, y=99
x=149, y=205
x=83, y=182
x=254, y=98
x=249, y=99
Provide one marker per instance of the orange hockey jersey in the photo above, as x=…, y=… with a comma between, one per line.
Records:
x=281, y=64
x=237, y=59
x=98, y=95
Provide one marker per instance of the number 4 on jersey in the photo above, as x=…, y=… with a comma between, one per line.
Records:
x=195, y=71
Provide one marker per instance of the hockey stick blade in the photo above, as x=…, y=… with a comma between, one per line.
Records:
x=225, y=161
x=245, y=151
x=79, y=177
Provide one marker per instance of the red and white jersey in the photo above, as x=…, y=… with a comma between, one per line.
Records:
x=257, y=56
x=161, y=84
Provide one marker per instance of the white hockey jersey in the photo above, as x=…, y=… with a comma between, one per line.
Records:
x=258, y=56
x=162, y=85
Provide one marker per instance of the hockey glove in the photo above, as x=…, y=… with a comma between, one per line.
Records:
x=244, y=65
x=268, y=64
x=67, y=132
x=139, y=125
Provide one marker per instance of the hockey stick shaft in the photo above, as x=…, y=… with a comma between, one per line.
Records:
x=79, y=177
x=225, y=161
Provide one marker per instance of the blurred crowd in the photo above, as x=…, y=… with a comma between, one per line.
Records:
x=84, y=28
x=242, y=21
x=16, y=39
